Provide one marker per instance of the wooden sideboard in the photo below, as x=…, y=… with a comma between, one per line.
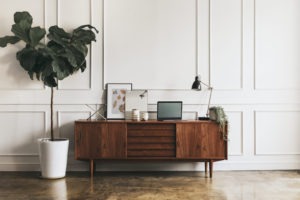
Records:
x=197, y=141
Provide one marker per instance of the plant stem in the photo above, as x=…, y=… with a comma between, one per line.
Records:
x=51, y=113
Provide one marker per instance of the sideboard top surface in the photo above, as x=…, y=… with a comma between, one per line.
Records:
x=144, y=122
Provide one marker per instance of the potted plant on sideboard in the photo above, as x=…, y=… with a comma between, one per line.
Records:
x=60, y=57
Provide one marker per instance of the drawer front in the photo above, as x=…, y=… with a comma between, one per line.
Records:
x=150, y=126
x=150, y=153
x=151, y=140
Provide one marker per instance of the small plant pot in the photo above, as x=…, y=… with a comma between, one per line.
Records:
x=53, y=157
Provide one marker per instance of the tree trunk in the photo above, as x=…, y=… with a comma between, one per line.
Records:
x=51, y=113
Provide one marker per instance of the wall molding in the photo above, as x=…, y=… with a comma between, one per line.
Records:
x=196, y=67
x=60, y=112
x=256, y=153
x=89, y=56
x=241, y=141
x=35, y=142
x=256, y=86
x=241, y=82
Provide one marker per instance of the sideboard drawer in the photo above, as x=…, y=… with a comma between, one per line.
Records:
x=151, y=126
x=150, y=140
x=151, y=153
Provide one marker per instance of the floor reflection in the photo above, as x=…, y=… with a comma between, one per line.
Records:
x=239, y=185
x=58, y=189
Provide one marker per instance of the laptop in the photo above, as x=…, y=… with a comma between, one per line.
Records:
x=169, y=110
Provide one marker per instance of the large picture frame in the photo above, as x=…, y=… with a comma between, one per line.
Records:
x=116, y=94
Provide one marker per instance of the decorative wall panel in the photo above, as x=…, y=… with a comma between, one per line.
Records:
x=277, y=132
x=20, y=131
x=226, y=44
x=235, y=144
x=12, y=76
x=150, y=43
x=66, y=124
x=277, y=44
x=67, y=12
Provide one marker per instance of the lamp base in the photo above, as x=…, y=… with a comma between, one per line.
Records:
x=203, y=118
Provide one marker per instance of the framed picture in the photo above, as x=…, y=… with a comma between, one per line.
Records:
x=116, y=94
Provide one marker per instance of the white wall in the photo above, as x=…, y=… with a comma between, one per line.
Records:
x=246, y=49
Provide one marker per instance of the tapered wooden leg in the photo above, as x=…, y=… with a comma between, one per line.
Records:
x=205, y=167
x=210, y=168
x=92, y=168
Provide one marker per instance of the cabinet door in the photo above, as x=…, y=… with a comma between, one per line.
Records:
x=188, y=141
x=213, y=145
x=88, y=140
x=114, y=141
x=200, y=141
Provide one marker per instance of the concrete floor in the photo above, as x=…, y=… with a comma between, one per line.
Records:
x=237, y=185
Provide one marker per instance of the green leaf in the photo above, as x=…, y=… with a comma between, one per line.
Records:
x=30, y=73
x=27, y=58
x=55, y=47
x=86, y=26
x=54, y=38
x=50, y=81
x=74, y=56
x=83, y=66
x=47, y=71
x=59, y=35
x=71, y=56
x=19, y=16
x=81, y=47
x=37, y=75
x=61, y=68
x=36, y=34
x=84, y=36
x=78, y=55
x=42, y=62
x=59, y=31
x=8, y=40
x=21, y=30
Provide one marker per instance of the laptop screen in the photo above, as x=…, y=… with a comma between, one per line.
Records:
x=168, y=110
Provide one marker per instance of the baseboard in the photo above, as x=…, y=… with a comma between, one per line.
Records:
x=19, y=167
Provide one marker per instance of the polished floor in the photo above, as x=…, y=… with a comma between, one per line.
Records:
x=236, y=185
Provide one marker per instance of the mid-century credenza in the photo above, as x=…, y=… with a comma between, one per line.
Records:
x=177, y=140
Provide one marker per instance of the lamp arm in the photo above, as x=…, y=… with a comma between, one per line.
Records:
x=211, y=89
x=207, y=112
x=205, y=84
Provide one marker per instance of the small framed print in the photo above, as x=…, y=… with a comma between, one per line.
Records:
x=116, y=94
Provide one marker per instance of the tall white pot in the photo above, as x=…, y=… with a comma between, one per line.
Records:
x=53, y=157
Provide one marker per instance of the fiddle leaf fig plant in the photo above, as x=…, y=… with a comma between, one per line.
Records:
x=63, y=54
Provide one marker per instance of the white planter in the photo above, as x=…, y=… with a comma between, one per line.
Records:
x=53, y=157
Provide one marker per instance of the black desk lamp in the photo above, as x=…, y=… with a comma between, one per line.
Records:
x=197, y=86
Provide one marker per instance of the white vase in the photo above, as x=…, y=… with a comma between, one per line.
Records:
x=145, y=116
x=53, y=157
x=135, y=115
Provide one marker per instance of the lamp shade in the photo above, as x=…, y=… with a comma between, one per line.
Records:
x=196, y=84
